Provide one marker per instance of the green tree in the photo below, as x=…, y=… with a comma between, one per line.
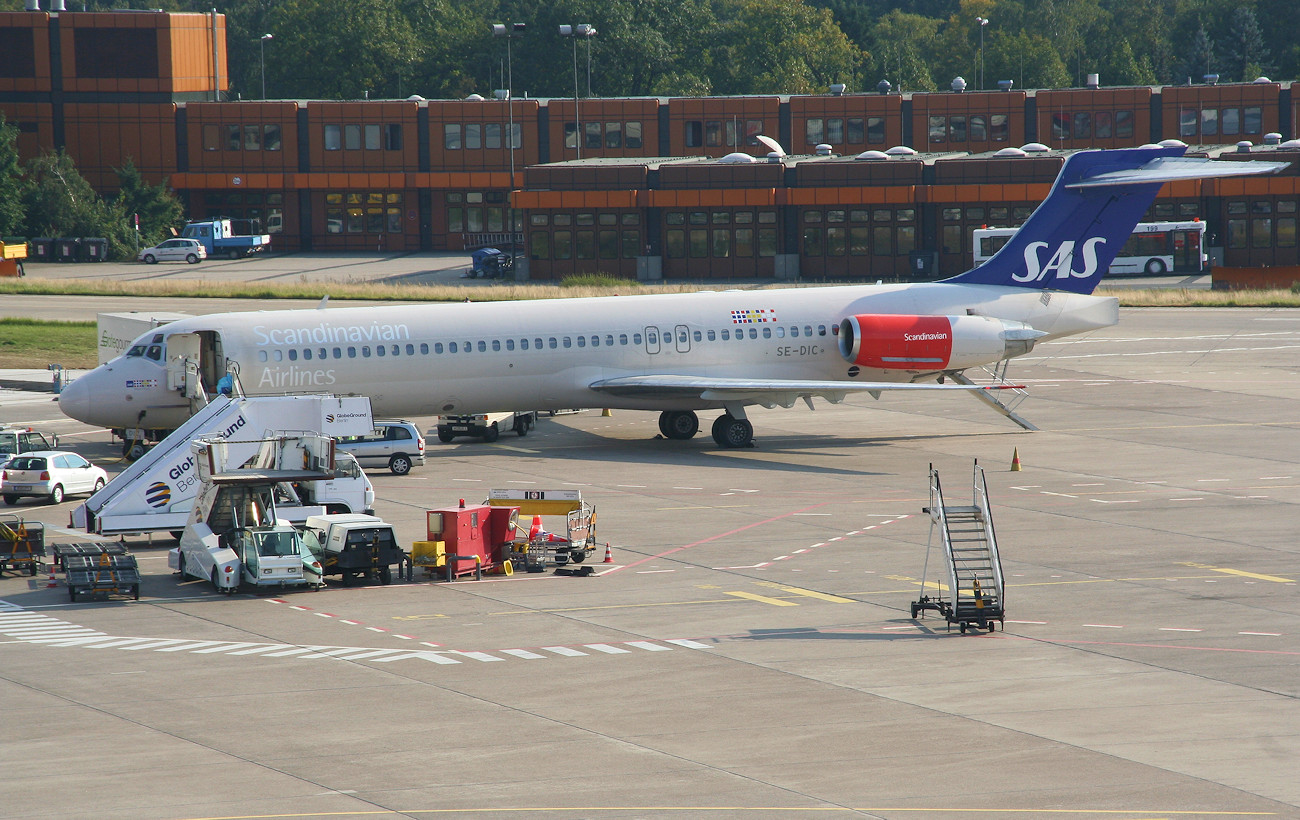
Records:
x=1031, y=60
x=12, y=184
x=60, y=202
x=900, y=44
x=1199, y=59
x=158, y=208
x=341, y=50
x=1244, y=52
x=781, y=46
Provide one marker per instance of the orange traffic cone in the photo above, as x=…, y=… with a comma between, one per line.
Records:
x=609, y=554
x=1015, y=460
x=53, y=582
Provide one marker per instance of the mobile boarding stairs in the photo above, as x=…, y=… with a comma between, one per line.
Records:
x=974, y=594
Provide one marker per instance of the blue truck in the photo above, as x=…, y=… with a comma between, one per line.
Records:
x=219, y=238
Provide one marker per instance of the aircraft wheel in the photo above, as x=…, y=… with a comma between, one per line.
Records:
x=679, y=424
x=730, y=432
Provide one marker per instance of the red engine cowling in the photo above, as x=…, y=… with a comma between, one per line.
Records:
x=931, y=343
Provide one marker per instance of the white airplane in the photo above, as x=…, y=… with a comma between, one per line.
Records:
x=677, y=353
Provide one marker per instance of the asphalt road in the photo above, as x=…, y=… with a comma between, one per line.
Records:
x=749, y=652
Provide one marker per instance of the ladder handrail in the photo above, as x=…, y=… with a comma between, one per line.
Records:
x=981, y=501
x=939, y=520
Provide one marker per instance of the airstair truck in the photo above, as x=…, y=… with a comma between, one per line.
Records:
x=235, y=536
x=157, y=492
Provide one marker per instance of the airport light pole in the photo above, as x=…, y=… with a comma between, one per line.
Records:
x=510, y=32
x=983, y=21
x=261, y=52
x=587, y=31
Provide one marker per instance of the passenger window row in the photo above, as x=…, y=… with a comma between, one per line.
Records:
x=595, y=340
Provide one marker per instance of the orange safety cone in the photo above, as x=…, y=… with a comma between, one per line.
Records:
x=1015, y=460
x=53, y=582
x=605, y=413
x=609, y=554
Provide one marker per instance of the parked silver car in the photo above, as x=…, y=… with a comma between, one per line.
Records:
x=174, y=250
x=396, y=445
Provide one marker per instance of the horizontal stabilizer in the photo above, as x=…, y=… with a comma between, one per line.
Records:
x=1172, y=169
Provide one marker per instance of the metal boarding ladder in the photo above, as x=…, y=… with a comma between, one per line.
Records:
x=975, y=592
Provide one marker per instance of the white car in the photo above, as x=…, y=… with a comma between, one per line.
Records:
x=174, y=250
x=50, y=474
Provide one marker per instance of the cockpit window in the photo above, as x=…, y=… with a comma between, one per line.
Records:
x=154, y=352
x=152, y=349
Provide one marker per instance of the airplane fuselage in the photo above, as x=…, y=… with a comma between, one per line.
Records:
x=546, y=354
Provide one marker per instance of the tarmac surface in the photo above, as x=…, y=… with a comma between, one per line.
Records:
x=749, y=651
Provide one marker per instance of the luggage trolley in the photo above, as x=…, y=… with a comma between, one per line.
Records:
x=22, y=544
x=535, y=548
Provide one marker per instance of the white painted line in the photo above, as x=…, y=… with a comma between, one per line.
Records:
x=1263, y=634
x=479, y=656
x=473, y=480
x=434, y=645
x=1211, y=479
x=606, y=648
x=648, y=646
x=189, y=645
x=226, y=647
x=564, y=650
x=352, y=623
x=688, y=488
x=653, y=571
x=689, y=644
x=153, y=644
x=522, y=653
x=1104, y=626
x=301, y=608
x=1039, y=623
x=376, y=629
x=284, y=653
x=1062, y=495
x=631, y=486
x=116, y=642
x=907, y=626
x=404, y=637
x=370, y=653
x=66, y=641
x=1190, y=498
x=266, y=647
x=431, y=657
x=323, y=615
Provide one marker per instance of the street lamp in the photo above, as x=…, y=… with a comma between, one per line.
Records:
x=983, y=21
x=585, y=30
x=261, y=50
x=510, y=32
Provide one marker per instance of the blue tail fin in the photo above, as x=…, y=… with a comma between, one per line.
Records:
x=1069, y=241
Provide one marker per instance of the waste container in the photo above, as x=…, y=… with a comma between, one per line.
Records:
x=66, y=250
x=93, y=249
x=42, y=249
x=922, y=266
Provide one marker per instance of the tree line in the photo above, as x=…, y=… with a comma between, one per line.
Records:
x=46, y=196
x=323, y=49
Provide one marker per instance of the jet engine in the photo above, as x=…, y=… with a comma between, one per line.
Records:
x=926, y=344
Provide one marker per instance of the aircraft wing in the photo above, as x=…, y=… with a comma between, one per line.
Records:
x=782, y=392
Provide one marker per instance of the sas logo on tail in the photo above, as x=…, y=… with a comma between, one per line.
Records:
x=158, y=494
x=1061, y=261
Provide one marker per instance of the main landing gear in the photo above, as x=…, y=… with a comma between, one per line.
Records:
x=729, y=431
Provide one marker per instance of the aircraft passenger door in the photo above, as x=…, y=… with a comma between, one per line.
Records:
x=683, y=336
x=183, y=350
x=652, y=340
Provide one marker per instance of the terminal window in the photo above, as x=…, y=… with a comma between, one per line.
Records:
x=116, y=53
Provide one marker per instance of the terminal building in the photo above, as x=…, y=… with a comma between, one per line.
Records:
x=876, y=185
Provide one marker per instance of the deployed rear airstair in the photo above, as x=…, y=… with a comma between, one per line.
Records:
x=974, y=593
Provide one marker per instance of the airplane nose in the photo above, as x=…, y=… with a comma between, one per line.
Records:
x=74, y=399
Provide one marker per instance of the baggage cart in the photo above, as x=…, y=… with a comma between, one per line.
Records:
x=102, y=574
x=22, y=545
